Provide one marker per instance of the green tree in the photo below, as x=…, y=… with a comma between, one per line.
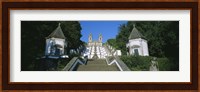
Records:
x=122, y=38
x=112, y=42
x=72, y=31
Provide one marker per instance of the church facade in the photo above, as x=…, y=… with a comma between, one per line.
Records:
x=94, y=43
x=137, y=44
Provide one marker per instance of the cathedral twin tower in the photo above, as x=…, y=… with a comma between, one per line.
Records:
x=95, y=43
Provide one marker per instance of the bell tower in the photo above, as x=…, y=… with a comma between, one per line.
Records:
x=90, y=38
x=100, y=38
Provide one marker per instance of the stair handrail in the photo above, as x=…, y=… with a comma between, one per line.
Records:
x=120, y=64
x=73, y=63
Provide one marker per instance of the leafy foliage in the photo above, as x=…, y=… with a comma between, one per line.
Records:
x=137, y=63
x=142, y=63
x=72, y=30
x=112, y=42
x=62, y=63
x=167, y=64
x=163, y=64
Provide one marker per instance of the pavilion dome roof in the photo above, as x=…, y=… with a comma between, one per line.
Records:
x=57, y=33
x=135, y=34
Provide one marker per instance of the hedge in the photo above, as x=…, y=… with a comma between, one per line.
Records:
x=142, y=63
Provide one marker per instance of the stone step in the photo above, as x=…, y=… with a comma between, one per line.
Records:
x=96, y=62
x=97, y=65
x=97, y=68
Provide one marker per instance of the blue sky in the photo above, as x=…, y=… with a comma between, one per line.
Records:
x=108, y=29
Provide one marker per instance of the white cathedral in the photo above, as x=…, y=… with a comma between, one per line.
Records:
x=94, y=43
x=137, y=44
x=95, y=49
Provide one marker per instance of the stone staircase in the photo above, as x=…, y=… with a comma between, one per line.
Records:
x=97, y=65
